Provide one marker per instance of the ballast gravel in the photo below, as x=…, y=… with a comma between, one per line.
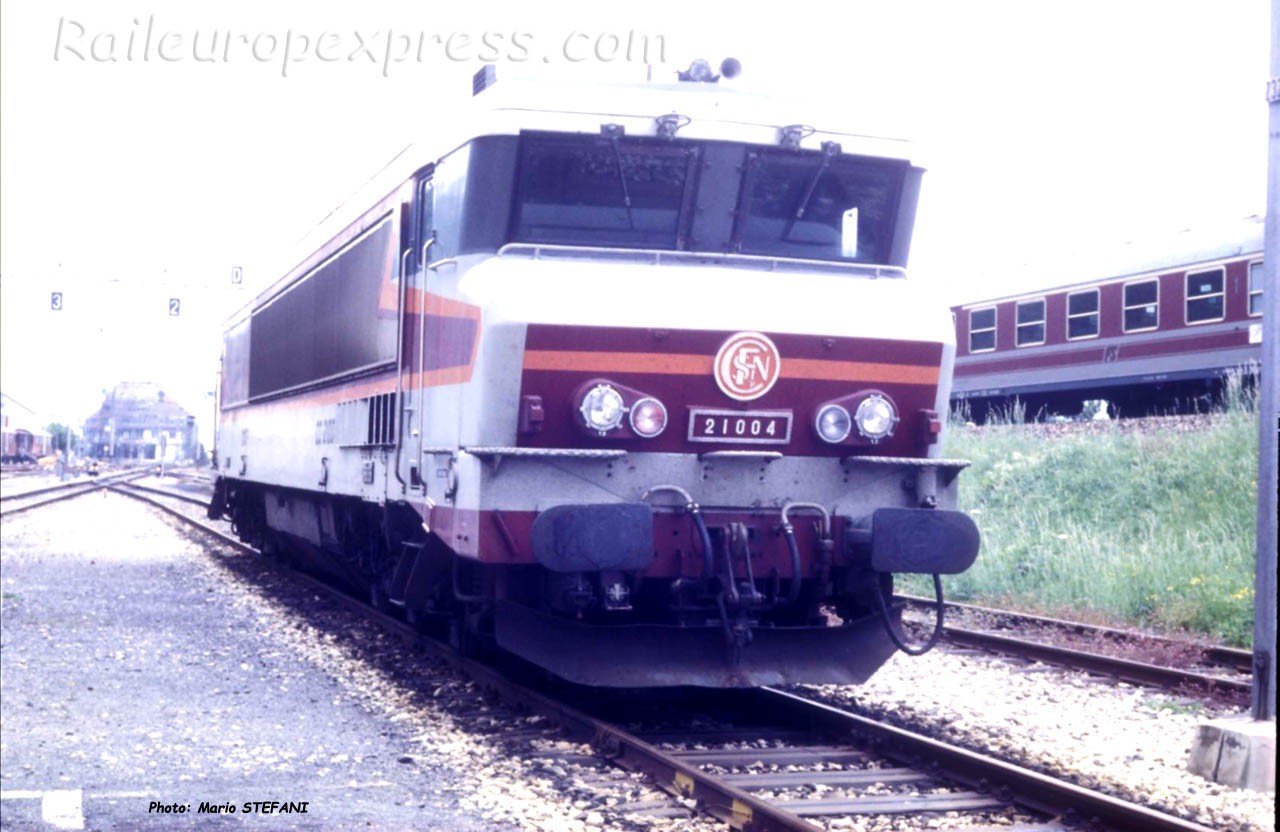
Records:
x=454, y=759
x=318, y=702
x=1131, y=742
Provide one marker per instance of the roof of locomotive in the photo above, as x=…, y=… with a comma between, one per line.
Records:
x=714, y=112
x=709, y=111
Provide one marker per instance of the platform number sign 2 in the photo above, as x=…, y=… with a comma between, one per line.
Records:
x=175, y=307
x=55, y=301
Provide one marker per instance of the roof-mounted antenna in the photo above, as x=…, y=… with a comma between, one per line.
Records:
x=791, y=135
x=484, y=78
x=668, y=124
x=700, y=71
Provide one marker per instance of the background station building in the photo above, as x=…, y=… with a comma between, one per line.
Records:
x=137, y=421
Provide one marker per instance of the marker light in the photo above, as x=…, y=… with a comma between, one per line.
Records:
x=602, y=409
x=875, y=417
x=648, y=417
x=834, y=423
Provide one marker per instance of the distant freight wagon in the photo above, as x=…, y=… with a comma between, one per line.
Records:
x=1159, y=336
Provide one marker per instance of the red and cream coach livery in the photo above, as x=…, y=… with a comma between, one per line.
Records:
x=1157, y=334
x=627, y=382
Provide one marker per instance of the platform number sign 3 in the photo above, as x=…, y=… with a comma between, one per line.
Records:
x=175, y=307
x=55, y=301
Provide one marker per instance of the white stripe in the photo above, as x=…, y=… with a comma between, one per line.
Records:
x=63, y=809
x=19, y=794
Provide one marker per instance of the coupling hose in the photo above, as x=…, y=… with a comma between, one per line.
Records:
x=898, y=639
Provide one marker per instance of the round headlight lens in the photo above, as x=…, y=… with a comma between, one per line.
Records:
x=834, y=423
x=601, y=408
x=648, y=417
x=876, y=417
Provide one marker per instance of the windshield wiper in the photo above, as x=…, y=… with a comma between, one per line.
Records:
x=830, y=150
x=622, y=178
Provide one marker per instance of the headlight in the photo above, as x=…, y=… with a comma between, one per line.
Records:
x=648, y=417
x=876, y=417
x=834, y=423
x=601, y=408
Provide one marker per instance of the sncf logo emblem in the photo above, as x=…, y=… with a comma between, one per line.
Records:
x=747, y=366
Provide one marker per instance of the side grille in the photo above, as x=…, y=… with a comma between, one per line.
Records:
x=367, y=422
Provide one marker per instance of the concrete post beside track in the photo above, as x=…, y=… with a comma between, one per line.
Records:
x=1264, y=631
x=1242, y=753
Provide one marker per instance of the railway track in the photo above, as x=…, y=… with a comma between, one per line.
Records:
x=12, y=503
x=166, y=492
x=1217, y=670
x=808, y=766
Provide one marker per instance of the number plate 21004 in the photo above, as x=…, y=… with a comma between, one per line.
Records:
x=758, y=427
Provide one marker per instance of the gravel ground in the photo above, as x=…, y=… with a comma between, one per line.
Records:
x=149, y=671
x=1131, y=742
x=245, y=686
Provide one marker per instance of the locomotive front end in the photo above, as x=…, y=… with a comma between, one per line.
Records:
x=688, y=503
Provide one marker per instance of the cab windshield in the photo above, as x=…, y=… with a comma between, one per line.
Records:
x=722, y=197
x=603, y=191
x=818, y=206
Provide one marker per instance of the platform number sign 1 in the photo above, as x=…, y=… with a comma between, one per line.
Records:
x=237, y=275
x=175, y=307
x=55, y=301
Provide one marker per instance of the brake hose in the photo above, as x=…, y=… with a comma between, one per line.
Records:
x=900, y=640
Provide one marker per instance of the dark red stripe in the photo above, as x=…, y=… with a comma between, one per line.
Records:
x=704, y=342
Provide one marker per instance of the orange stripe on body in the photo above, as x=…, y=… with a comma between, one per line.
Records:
x=815, y=369
x=618, y=362
x=826, y=370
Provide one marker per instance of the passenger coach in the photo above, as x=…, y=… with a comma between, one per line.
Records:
x=1157, y=337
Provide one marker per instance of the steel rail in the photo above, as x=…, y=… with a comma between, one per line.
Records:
x=982, y=773
x=100, y=482
x=1241, y=660
x=65, y=491
x=174, y=494
x=1126, y=670
x=84, y=488
x=721, y=795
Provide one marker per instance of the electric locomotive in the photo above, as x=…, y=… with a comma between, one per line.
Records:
x=627, y=382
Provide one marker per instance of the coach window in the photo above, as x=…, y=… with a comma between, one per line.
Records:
x=1030, y=323
x=1082, y=314
x=1141, y=306
x=1255, y=288
x=982, y=329
x=1205, y=296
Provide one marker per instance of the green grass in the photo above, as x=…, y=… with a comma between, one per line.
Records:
x=1152, y=528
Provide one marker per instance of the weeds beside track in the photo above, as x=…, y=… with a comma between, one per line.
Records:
x=1150, y=525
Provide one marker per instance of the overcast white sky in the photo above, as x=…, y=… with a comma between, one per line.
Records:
x=1051, y=130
